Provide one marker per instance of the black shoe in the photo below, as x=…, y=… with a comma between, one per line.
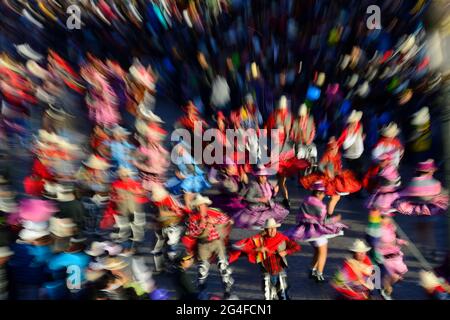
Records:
x=287, y=204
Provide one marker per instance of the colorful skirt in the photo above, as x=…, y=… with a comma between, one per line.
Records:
x=192, y=184
x=311, y=231
x=411, y=207
x=345, y=183
x=256, y=216
x=382, y=201
x=292, y=166
x=227, y=203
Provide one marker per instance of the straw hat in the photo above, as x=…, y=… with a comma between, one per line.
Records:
x=283, y=103
x=359, y=246
x=96, y=249
x=31, y=235
x=120, y=131
x=36, y=70
x=159, y=193
x=35, y=226
x=263, y=171
x=62, y=228
x=142, y=76
x=124, y=171
x=408, y=44
x=27, y=52
x=5, y=252
x=271, y=223
x=149, y=114
x=428, y=280
x=390, y=131
x=199, y=200
x=97, y=163
x=421, y=117
x=115, y=263
x=353, y=81
x=249, y=98
x=355, y=116
x=303, y=111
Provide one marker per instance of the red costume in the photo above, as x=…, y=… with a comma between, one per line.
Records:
x=336, y=179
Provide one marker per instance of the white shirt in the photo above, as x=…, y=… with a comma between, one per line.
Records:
x=353, y=145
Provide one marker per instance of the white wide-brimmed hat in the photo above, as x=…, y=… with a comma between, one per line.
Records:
x=115, y=264
x=271, y=223
x=62, y=227
x=421, y=117
x=159, y=193
x=35, y=226
x=97, y=163
x=31, y=235
x=149, y=115
x=303, y=111
x=36, y=70
x=142, y=76
x=26, y=51
x=96, y=249
x=390, y=131
x=5, y=252
x=199, y=200
x=428, y=280
x=359, y=246
x=355, y=116
x=283, y=103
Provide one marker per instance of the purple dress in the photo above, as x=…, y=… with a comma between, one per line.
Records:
x=255, y=213
x=313, y=224
x=229, y=200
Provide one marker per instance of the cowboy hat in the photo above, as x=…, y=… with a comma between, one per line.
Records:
x=283, y=103
x=49, y=191
x=124, y=171
x=62, y=227
x=96, y=249
x=142, y=76
x=421, y=117
x=263, y=171
x=36, y=70
x=115, y=263
x=120, y=131
x=5, y=252
x=355, y=116
x=390, y=131
x=27, y=52
x=97, y=163
x=428, y=280
x=159, y=193
x=249, y=98
x=359, y=246
x=271, y=223
x=93, y=275
x=149, y=115
x=31, y=235
x=35, y=226
x=199, y=200
x=303, y=111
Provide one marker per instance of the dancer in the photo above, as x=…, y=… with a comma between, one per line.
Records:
x=353, y=280
x=260, y=204
x=337, y=181
x=269, y=250
x=314, y=226
x=209, y=229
